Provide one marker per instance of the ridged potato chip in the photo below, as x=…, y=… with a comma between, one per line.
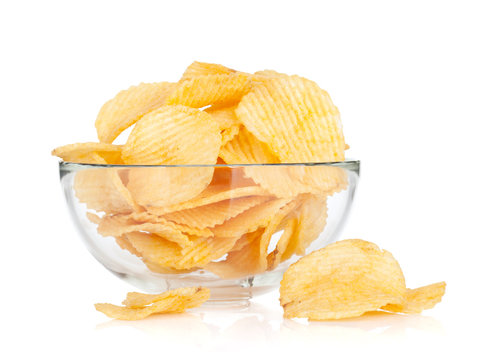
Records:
x=417, y=300
x=165, y=186
x=210, y=195
x=173, y=301
x=103, y=190
x=295, y=118
x=118, y=225
x=176, y=135
x=198, y=68
x=342, y=280
x=278, y=180
x=90, y=153
x=242, y=262
x=227, y=120
x=250, y=220
x=159, y=251
x=127, y=107
x=204, y=90
x=216, y=213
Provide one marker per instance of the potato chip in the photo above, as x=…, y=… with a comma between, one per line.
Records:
x=419, y=299
x=117, y=225
x=274, y=258
x=198, y=68
x=295, y=118
x=210, y=195
x=165, y=186
x=243, y=262
x=311, y=219
x=87, y=153
x=216, y=213
x=127, y=107
x=279, y=180
x=156, y=250
x=125, y=244
x=250, y=220
x=93, y=218
x=204, y=90
x=102, y=190
x=227, y=120
x=342, y=280
x=173, y=301
x=175, y=135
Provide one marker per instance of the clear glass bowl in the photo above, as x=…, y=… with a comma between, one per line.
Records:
x=232, y=228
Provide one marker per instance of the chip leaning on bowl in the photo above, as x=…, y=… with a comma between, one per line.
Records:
x=224, y=172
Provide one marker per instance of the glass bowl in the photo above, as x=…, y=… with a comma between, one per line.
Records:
x=232, y=228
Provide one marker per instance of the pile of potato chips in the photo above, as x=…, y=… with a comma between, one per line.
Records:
x=194, y=211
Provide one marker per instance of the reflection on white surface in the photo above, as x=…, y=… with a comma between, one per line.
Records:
x=257, y=325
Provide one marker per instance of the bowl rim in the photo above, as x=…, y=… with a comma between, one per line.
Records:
x=67, y=165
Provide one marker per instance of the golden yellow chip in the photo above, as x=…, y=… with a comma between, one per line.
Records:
x=281, y=181
x=127, y=107
x=93, y=218
x=117, y=225
x=311, y=218
x=216, y=213
x=417, y=300
x=103, y=190
x=173, y=301
x=166, y=186
x=175, y=135
x=342, y=280
x=227, y=120
x=90, y=153
x=242, y=262
x=125, y=244
x=295, y=118
x=250, y=220
x=211, y=194
x=198, y=68
x=204, y=90
x=276, y=256
x=156, y=250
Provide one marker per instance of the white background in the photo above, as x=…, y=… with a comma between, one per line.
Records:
x=406, y=77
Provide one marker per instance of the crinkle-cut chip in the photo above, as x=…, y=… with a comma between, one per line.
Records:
x=103, y=190
x=125, y=244
x=250, y=220
x=229, y=134
x=242, y=262
x=269, y=74
x=165, y=186
x=117, y=225
x=86, y=153
x=128, y=106
x=173, y=135
x=145, y=217
x=198, y=68
x=139, y=300
x=271, y=228
x=93, y=218
x=279, y=180
x=211, y=195
x=274, y=258
x=161, y=252
x=295, y=118
x=246, y=239
x=204, y=90
x=417, y=300
x=342, y=280
x=216, y=213
x=311, y=218
x=227, y=120
x=173, y=301
x=322, y=179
